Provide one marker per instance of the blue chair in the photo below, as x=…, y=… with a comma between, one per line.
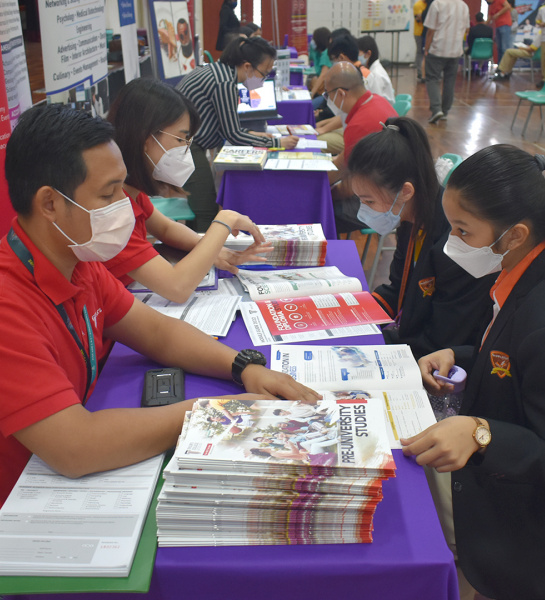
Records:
x=380, y=248
x=176, y=209
x=536, y=98
x=402, y=107
x=208, y=56
x=481, y=50
x=456, y=160
x=404, y=97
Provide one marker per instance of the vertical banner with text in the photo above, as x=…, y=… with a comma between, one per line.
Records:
x=15, y=73
x=73, y=43
x=298, y=29
x=129, y=39
x=6, y=211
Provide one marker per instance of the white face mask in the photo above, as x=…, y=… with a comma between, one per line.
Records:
x=175, y=166
x=253, y=82
x=476, y=261
x=382, y=223
x=337, y=111
x=111, y=229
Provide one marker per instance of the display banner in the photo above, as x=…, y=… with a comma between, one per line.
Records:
x=129, y=39
x=298, y=26
x=380, y=15
x=173, y=42
x=17, y=86
x=6, y=211
x=73, y=43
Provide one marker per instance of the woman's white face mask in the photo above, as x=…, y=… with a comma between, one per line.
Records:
x=175, y=166
x=476, y=261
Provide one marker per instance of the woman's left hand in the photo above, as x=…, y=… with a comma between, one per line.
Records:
x=229, y=259
x=446, y=446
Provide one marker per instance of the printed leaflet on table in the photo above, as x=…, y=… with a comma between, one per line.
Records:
x=300, y=161
x=255, y=448
x=241, y=157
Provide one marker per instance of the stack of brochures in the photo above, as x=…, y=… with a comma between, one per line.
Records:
x=293, y=245
x=241, y=157
x=275, y=472
x=298, y=305
x=89, y=527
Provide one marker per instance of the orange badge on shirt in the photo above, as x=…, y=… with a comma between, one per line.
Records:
x=427, y=286
x=500, y=364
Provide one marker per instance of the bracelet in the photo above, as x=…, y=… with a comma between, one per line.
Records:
x=222, y=223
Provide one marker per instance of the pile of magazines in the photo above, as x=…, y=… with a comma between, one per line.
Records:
x=294, y=245
x=275, y=472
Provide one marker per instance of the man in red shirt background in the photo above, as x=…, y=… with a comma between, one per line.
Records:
x=499, y=14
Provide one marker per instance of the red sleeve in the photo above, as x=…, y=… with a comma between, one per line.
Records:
x=116, y=299
x=138, y=250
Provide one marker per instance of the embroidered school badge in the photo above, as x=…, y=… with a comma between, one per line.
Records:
x=500, y=364
x=427, y=286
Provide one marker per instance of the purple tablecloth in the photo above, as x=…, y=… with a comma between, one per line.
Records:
x=280, y=197
x=295, y=112
x=408, y=559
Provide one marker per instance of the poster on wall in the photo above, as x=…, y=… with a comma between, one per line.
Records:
x=129, y=39
x=298, y=26
x=174, y=52
x=385, y=15
x=73, y=44
x=6, y=211
x=15, y=73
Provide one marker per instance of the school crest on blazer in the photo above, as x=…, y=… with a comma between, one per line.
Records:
x=427, y=286
x=501, y=363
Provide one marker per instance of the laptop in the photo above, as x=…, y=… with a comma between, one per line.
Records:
x=257, y=104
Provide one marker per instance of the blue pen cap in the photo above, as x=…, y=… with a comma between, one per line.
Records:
x=456, y=377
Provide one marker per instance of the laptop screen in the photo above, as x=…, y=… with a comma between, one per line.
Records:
x=257, y=104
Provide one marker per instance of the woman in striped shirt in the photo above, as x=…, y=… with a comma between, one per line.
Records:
x=213, y=90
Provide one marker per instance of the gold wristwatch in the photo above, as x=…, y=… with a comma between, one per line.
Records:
x=481, y=434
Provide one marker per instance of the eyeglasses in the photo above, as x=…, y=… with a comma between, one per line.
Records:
x=186, y=141
x=327, y=95
x=261, y=72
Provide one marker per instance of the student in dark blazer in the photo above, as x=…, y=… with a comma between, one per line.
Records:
x=487, y=465
x=433, y=301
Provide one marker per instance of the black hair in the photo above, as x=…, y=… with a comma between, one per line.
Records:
x=504, y=185
x=321, y=38
x=344, y=44
x=479, y=17
x=143, y=107
x=259, y=452
x=338, y=32
x=397, y=154
x=46, y=148
x=366, y=43
x=246, y=30
x=252, y=27
x=278, y=411
x=253, y=50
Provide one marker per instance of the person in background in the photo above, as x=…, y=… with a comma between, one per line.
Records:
x=361, y=113
x=322, y=64
x=418, y=8
x=511, y=55
x=154, y=125
x=59, y=306
x=486, y=466
x=540, y=22
x=447, y=22
x=514, y=20
x=213, y=90
x=229, y=24
x=251, y=30
x=499, y=14
x=479, y=30
x=433, y=301
x=377, y=80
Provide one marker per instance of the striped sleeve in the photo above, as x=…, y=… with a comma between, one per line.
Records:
x=225, y=99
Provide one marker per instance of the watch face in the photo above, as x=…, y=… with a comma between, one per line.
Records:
x=482, y=436
x=255, y=356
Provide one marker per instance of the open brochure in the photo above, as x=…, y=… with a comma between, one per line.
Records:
x=88, y=527
x=292, y=283
x=211, y=313
x=299, y=161
x=386, y=372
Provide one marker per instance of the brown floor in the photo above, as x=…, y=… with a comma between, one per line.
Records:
x=481, y=116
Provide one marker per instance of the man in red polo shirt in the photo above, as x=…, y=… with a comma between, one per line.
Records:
x=499, y=14
x=57, y=302
x=362, y=113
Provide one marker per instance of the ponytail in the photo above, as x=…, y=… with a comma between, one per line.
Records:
x=503, y=185
x=241, y=49
x=400, y=152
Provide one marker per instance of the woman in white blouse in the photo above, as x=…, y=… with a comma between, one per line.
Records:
x=376, y=80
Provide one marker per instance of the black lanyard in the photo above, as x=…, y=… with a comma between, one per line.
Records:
x=24, y=255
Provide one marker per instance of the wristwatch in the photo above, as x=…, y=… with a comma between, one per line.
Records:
x=242, y=360
x=481, y=434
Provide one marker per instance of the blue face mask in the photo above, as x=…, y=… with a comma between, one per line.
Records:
x=363, y=60
x=381, y=222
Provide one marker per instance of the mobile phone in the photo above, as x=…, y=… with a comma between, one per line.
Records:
x=163, y=386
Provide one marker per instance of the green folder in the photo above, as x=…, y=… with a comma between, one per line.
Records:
x=138, y=580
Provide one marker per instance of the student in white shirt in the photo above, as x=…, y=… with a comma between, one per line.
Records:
x=377, y=80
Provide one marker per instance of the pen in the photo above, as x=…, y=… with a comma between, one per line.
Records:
x=275, y=149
